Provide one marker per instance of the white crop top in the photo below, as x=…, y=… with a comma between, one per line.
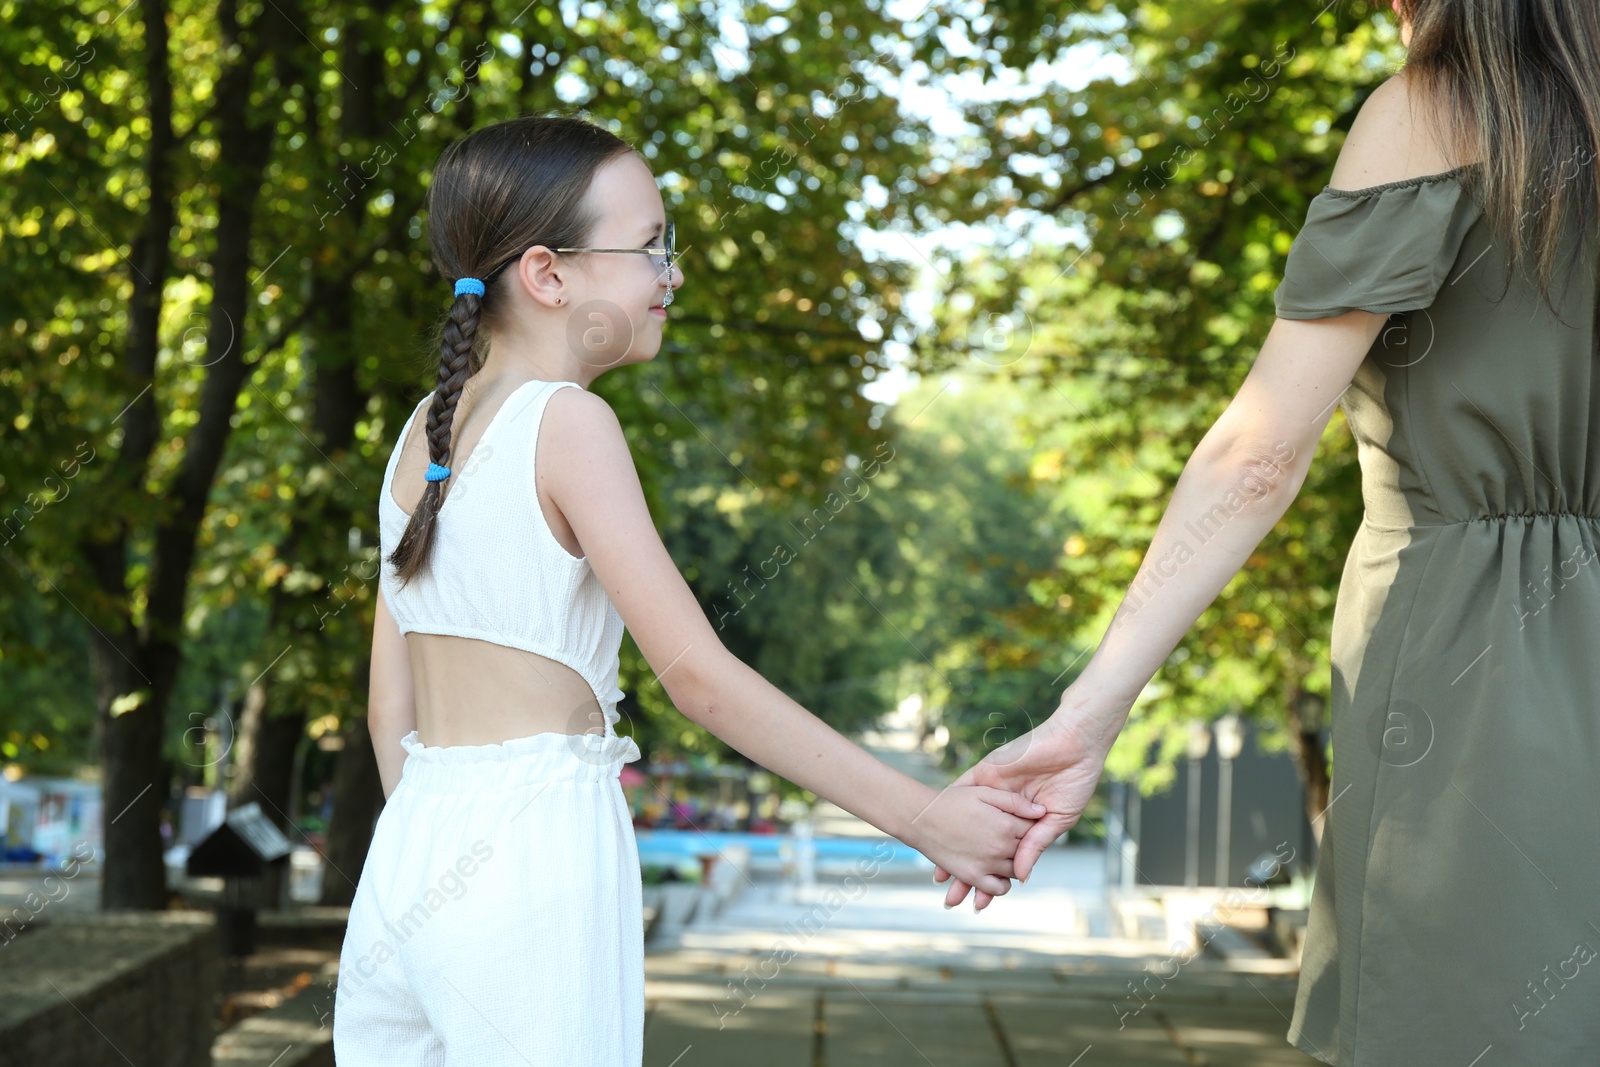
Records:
x=496, y=572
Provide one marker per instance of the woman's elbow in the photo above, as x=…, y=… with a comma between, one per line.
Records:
x=1265, y=472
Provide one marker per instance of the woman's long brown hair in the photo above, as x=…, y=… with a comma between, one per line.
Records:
x=495, y=193
x=1517, y=85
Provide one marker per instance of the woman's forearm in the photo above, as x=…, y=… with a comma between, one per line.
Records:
x=1220, y=510
x=750, y=714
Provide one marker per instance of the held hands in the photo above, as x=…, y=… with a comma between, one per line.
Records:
x=1052, y=764
x=973, y=830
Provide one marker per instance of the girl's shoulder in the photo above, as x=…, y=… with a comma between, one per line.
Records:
x=580, y=433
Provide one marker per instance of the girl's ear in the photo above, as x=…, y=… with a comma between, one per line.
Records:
x=542, y=275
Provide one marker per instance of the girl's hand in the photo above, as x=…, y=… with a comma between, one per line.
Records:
x=973, y=831
x=1053, y=764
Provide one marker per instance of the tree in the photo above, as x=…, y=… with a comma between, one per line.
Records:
x=219, y=296
x=1180, y=180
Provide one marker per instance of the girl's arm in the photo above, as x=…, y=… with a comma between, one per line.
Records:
x=391, y=700
x=583, y=464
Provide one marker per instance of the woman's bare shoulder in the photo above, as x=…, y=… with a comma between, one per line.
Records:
x=1398, y=134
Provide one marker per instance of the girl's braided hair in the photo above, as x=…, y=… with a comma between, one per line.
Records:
x=495, y=193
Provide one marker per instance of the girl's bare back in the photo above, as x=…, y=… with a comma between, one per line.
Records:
x=471, y=691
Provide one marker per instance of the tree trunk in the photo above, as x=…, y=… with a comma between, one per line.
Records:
x=1311, y=761
x=134, y=789
x=357, y=801
x=135, y=701
x=263, y=768
x=128, y=738
x=339, y=403
x=264, y=754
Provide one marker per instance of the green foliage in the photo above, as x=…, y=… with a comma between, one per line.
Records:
x=1178, y=183
x=763, y=158
x=982, y=563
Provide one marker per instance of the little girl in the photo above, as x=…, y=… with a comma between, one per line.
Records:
x=498, y=917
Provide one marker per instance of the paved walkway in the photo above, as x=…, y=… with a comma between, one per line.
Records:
x=827, y=976
x=877, y=971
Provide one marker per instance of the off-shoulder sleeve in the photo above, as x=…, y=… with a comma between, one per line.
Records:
x=1383, y=249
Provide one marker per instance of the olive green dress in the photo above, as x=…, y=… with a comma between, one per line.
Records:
x=1455, y=918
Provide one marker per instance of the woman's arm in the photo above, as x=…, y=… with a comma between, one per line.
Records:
x=1287, y=398
x=1235, y=487
x=1281, y=409
x=391, y=701
x=584, y=465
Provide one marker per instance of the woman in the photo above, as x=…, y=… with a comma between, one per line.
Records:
x=1447, y=277
x=498, y=918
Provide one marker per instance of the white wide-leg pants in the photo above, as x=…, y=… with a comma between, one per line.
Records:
x=498, y=919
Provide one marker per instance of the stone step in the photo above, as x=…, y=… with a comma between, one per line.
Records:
x=296, y=1033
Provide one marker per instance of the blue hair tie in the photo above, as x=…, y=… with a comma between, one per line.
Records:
x=437, y=473
x=469, y=285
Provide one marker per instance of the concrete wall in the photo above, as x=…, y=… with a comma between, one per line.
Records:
x=110, y=989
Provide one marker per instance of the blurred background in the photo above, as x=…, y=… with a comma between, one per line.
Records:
x=966, y=284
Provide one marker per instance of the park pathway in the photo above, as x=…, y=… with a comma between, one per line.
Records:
x=876, y=971
x=785, y=978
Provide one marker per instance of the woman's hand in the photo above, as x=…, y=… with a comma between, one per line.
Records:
x=973, y=830
x=1056, y=764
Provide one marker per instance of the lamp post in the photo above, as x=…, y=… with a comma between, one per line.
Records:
x=1199, y=743
x=1230, y=742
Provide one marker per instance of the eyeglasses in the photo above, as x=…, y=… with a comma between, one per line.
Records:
x=662, y=257
x=665, y=258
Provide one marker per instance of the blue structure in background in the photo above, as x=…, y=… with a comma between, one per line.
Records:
x=675, y=846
